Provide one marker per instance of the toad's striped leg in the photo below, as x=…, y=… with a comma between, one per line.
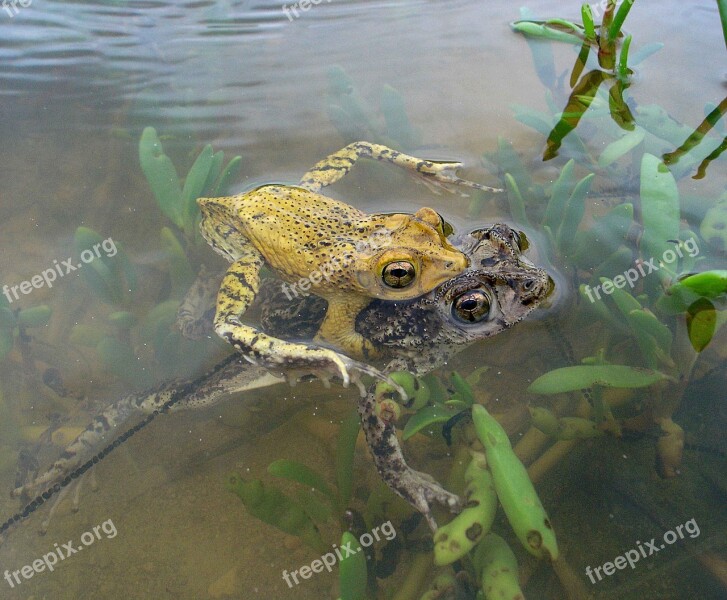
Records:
x=334, y=167
x=239, y=287
x=228, y=377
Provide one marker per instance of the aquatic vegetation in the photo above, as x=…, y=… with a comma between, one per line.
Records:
x=455, y=539
x=119, y=343
x=14, y=322
x=602, y=38
x=352, y=569
x=497, y=568
x=351, y=117
x=515, y=491
x=273, y=507
x=314, y=506
x=206, y=177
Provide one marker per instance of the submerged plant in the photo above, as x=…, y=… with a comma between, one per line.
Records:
x=351, y=117
x=206, y=177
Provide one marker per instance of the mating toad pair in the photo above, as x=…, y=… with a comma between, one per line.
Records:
x=299, y=233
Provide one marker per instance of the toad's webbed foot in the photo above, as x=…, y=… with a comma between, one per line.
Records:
x=422, y=492
x=418, y=489
x=325, y=365
x=443, y=176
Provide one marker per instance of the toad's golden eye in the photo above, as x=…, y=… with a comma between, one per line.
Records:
x=398, y=274
x=471, y=307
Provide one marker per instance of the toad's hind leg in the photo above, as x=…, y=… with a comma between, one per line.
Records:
x=338, y=164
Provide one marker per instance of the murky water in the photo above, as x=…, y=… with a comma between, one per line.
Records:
x=79, y=81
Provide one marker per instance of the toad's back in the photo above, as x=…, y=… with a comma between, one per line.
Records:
x=296, y=229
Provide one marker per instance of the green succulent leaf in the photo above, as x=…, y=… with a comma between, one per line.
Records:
x=659, y=208
x=463, y=388
x=194, y=186
x=295, y=471
x=230, y=172
x=180, y=271
x=161, y=175
x=218, y=159
x=345, y=452
x=37, y=316
x=573, y=214
x=614, y=29
x=568, y=379
x=517, y=203
x=352, y=570
x=701, y=323
x=550, y=30
x=578, y=103
x=426, y=417
x=620, y=147
x=710, y=284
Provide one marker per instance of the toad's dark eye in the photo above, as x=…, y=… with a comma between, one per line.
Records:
x=471, y=307
x=398, y=274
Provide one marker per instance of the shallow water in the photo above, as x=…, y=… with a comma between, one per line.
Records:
x=79, y=81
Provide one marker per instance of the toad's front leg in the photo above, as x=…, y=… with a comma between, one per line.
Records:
x=417, y=488
x=239, y=287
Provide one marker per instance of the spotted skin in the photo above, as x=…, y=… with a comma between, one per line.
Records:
x=339, y=250
x=417, y=335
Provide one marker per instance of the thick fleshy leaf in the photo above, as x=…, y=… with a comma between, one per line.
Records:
x=710, y=284
x=295, y=471
x=559, y=195
x=573, y=214
x=578, y=103
x=701, y=323
x=194, y=186
x=161, y=175
x=581, y=377
x=621, y=146
x=230, y=172
x=516, y=201
x=550, y=30
x=36, y=316
x=659, y=208
x=426, y=417
x=345, y=452
x=352, y=570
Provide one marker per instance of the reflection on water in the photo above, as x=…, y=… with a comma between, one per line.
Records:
x=78, y=83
